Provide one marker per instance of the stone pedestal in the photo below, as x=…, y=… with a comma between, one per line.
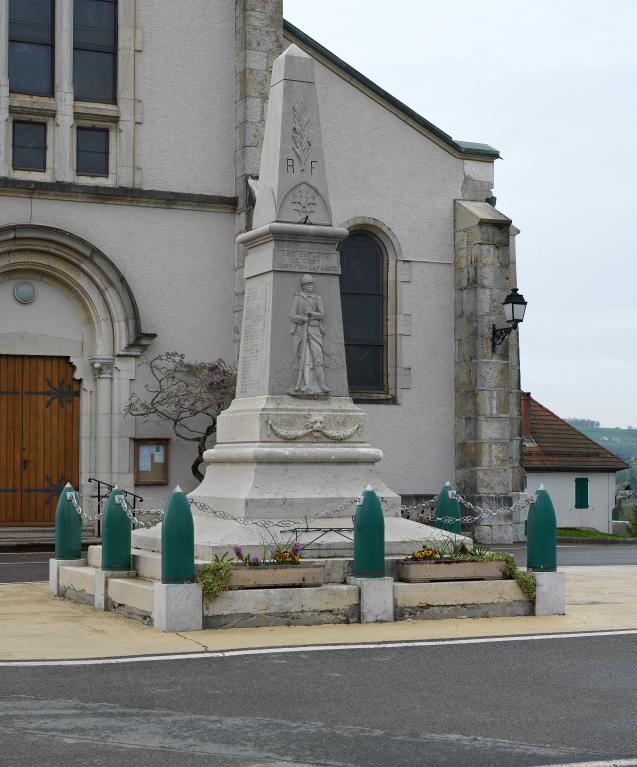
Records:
x=177, y=607
x=54, y=571
x=376, y=598
x=550, y=596
x=282, y=457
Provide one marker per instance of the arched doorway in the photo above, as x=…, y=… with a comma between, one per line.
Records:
x=67, y=357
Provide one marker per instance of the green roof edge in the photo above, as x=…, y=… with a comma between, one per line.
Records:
x=463, y=147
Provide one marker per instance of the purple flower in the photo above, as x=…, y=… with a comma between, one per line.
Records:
x=295, y=548
x=238, y=552
x=254, y=561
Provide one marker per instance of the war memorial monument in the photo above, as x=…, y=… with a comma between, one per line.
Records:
x=292, y=444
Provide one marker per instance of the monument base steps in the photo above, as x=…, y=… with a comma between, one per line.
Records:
x=180, y=608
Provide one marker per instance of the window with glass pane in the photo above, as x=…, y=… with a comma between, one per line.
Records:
x=92, y=152
x=363, y=301
x=95, y=50
x=29, y=146
x=31, y=46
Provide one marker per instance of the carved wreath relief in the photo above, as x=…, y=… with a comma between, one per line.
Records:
x=306, y=327
x=315, y=425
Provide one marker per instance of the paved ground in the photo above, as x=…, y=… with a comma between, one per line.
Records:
x=498, y=694
x=509, y=704
x=583, y=554
x=36, y=625
x=24, y=566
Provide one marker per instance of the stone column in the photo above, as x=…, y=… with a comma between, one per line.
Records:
x=126, y=30
x=103, y=370
x=5, y=139
x=63, y=158
x=258, y=41
x=487, y=382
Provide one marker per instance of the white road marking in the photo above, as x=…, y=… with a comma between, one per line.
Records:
x=609, y=763
x=314, y=648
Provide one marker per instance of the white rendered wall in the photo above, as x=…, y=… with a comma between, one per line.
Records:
x=179, y=265
x=184, y=79
x=51, y=314
x=380, y=167
x=561, y=488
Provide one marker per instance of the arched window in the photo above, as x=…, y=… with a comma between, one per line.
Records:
x=363, y=298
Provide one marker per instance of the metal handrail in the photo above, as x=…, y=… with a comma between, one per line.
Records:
x=101, y=495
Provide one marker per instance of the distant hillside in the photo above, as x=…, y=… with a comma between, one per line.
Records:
x=622, y=442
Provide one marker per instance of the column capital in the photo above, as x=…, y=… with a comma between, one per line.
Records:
x=102, y=366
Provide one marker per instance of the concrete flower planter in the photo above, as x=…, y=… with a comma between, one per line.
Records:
x=276, y=576
x=410, y=571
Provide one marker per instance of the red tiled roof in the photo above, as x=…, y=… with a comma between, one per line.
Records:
x=552, y=444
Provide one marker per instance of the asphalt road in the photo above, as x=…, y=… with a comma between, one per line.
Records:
x=24, y=566
x=34, y=566
x=582, y=554
x=497, y=704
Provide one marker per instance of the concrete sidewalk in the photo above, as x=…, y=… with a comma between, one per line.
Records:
x=35, y=625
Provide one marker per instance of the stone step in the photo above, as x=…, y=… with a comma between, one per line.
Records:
x=131, y=597
x=128, y=596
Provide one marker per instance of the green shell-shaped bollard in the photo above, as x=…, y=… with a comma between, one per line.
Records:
x=541, y=530
x=177, y=540
x=116, y=535
x=369, y=537
x=68, y=527
x=447, y=512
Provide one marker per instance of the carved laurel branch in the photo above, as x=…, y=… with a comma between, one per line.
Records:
x=304, y=201
x=300, y=131
x=313, y=425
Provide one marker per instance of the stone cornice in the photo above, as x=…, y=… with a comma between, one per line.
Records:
x=147, y=198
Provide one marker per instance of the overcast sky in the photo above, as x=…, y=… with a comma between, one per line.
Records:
x=553, y=85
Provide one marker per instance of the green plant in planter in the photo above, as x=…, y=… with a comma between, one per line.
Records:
x=478, y=553
x=214, y=576
x=525, y=580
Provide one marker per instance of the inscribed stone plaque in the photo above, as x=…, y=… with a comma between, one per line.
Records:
x=311, y=261
x=255, y=346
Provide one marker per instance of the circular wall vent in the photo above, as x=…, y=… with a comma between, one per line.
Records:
x=24, y=292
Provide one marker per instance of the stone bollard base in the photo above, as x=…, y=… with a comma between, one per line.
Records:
x=178, y=607
x=54, y=571
x=376, y=598
x=101, y=585
x=550, y=598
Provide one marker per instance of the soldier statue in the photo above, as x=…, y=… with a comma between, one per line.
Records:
x=306, y=316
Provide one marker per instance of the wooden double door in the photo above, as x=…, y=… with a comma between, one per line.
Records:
x=39, y=437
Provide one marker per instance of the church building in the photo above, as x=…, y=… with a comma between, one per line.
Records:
x=130, y=145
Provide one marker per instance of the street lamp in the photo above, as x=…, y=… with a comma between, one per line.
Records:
x=514, y=307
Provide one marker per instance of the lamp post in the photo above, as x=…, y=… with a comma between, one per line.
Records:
x=514, y=307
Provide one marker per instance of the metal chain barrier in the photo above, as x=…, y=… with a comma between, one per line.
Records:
x=339, y=511
x=132, y=513
x=423, y=512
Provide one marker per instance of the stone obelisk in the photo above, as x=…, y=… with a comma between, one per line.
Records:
x=292, y=444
